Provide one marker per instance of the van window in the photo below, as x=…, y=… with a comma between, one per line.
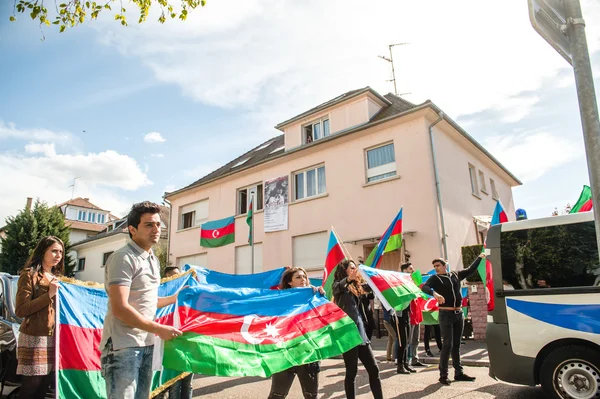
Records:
x=551, y=257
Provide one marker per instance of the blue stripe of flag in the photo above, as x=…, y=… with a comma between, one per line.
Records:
x=246, y=301
x=264, y=280
x=217, y=224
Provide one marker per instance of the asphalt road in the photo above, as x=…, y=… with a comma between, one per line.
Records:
x=423, y=384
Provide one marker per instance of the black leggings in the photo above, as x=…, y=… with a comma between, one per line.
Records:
x=35, y=387
x=365, y=354
x=402, y=344
x=308, y=374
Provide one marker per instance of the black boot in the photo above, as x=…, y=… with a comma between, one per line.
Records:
x=409, y=369
x=401, y=369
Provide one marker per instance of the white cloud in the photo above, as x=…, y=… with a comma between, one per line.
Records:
x=157, y=155
x=10, y=131
x=463, y=67
x=154, y=137
x=103, y=176
x=530, y=156
x=44, y=148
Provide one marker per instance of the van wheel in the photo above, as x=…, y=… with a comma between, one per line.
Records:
x=572, y=372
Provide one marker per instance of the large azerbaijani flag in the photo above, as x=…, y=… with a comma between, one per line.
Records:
x=265, y=280
x=217, y=233
x=584, y=203
x=252, y=332
x=335, y=254
x=81, y=311
x=390, y=241
x=394, y=289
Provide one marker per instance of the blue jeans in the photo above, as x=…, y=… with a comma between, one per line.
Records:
x=182, y=389
x=127, y=371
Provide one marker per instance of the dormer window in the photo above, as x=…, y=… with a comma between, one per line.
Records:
x=316, y=130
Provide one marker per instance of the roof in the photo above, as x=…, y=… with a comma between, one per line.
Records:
x=79, y=225
x=332, y=102
x=82, y=203
x=121, y=225
x=266, y=151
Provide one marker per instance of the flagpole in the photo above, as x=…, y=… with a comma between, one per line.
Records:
x=252, y=230
x=344, y=249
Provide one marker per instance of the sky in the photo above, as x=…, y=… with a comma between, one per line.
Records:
x=132, y=112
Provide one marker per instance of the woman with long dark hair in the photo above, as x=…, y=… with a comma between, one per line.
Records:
x=308, y=374
x=35, y=303
x=348, y=289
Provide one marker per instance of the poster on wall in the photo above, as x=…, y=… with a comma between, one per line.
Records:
x=276, y=204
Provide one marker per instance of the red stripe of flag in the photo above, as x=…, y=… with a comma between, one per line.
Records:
x=79, y=348
x=229, y=327
x=229, y=229
x=390, y=280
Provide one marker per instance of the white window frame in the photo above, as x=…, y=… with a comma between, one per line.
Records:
x=473, y=178
x=78, y=268
x=192, y=208
x=319, y=122
x=256, y=188
x=482, y=181
x=305, y=182
x=493, y=188
x=390, y=167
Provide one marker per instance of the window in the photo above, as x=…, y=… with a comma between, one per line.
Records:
x=243, y=259
x=277, y=149
x=482, y=182
x=193, y=215
x=101, y=218
x=473, y=177
x=244, y=195
x=551, y=257
x=309, y=183
x=493, y=188
x=82, y=215
x=105, y=257
x=80, y=265
x=196, y=260
x=308, y=250
x=240, y=163
x=316, y=130
x=381, y=162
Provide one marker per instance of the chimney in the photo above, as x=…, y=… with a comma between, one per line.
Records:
x=28, y=205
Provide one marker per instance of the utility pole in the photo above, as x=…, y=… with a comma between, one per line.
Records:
x=391, y=61
x=73, y=185
x=586, y=94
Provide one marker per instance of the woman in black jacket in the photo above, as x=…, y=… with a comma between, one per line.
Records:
x=348, y=288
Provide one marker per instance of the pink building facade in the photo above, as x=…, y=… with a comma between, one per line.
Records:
x=350, y=163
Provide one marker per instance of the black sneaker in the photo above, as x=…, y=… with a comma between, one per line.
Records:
x=410, y=369
x=418, y=363
x=444, y=381
x=428, y=353
x=402, y=370
x=463, y=377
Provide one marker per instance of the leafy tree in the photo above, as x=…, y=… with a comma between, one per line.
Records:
x=160, y=250
x=71, y=13
x=26, y=229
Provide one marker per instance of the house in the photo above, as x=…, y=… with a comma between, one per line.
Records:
x=352, y=163
x=93, y=252
x=84, y=218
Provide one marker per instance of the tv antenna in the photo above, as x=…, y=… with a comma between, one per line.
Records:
x=73, y=185
x=391, y=61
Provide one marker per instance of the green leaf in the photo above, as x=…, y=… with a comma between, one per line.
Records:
x=12, y=19
x=87, y=4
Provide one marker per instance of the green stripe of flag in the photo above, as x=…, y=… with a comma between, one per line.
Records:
x=78, y=384
x=217, y=242
x=399, y=297
x=207, y=355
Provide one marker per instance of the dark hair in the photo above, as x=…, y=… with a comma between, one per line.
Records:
x=355, y=287
x=137, y=210
x=439, y=260
x=405, y=266
x=288, y=275
x=35, y=260
x=169, y=269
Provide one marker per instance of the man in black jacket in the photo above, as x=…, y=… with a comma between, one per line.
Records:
x=445, y=287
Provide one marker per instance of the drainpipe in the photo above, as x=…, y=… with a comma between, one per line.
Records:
x=168, y=229
x=437, y=185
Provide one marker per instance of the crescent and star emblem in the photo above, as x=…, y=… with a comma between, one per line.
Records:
x=427, y=308
x=215, y=233
x=269, y=330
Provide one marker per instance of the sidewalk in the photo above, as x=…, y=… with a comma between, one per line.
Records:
x=473, y=353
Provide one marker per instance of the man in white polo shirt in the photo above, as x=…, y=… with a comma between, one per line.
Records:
x=131, y=279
